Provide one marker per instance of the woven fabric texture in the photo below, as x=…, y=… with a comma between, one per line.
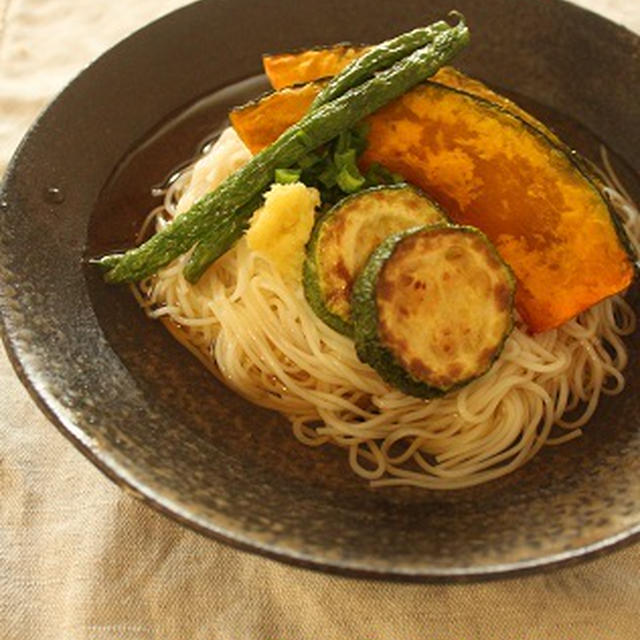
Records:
x=82, y=560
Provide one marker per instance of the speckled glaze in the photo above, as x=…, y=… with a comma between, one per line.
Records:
x=157, y=423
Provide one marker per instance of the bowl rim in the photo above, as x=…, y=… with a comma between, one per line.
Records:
x=113, y=469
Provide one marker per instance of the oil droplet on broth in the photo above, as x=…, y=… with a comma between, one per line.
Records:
x=53, y=195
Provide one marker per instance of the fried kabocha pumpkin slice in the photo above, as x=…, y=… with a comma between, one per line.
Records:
x=319, y=64
x=309, y=65
x=432, y=308
x=491, y=169
x=345, y=236
x=305, y=65
x=261, y=121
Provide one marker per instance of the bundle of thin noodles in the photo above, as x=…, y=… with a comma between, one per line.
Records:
x=255, y=330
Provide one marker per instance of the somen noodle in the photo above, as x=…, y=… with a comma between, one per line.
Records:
x=256, y=332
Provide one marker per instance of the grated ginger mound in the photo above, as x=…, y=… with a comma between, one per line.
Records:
x=281, y=228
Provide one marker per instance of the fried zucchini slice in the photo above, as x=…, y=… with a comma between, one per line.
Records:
x=432, y=308
x=345, y=236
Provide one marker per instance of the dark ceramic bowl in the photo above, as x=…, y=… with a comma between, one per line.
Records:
x=145, y=412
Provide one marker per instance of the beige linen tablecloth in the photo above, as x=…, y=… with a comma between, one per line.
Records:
x=81, y=560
